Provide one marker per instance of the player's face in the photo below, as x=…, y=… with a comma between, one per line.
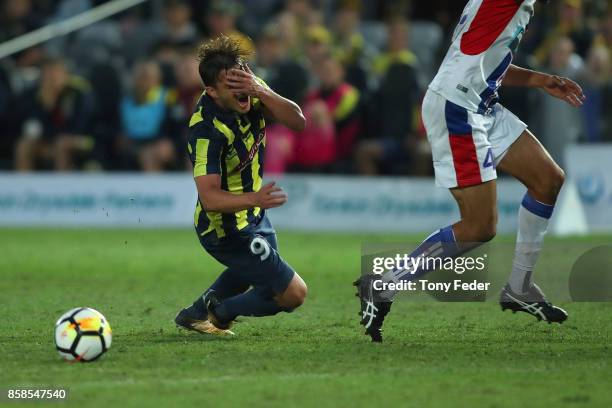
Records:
x=226, y=98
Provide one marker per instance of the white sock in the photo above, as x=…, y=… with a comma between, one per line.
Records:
x=533, y=219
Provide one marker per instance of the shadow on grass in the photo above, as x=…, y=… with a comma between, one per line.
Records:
x=182, y=336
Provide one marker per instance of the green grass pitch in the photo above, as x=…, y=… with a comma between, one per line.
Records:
x=435, y=354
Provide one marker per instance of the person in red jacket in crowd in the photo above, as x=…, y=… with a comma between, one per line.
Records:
x=333, y=123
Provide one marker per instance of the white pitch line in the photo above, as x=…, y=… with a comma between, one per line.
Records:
x=128, y=382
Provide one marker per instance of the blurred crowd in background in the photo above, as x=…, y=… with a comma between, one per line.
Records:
x=118, y=94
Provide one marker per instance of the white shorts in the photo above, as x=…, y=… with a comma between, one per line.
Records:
x=466, y=146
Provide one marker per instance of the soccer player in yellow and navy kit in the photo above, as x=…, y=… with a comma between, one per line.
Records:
x=226, y=145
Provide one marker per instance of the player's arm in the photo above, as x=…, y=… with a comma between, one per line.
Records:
x=206, y=154
x=281, y=109
x=559, y=87
x=214, y=198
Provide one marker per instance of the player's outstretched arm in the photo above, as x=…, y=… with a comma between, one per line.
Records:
x=559, y=87
x=281, y=109
x=213, y=198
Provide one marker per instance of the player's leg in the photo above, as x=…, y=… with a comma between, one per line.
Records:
x=463, y=163
x=262, y=301
x=295, y=294
x=276, y=286
x=195, y=316
x=229, y=283
x=530, y=163
x=478, y=209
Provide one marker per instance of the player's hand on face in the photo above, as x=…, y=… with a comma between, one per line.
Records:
x=244, y=81
x=565, y=89
x=270, y=196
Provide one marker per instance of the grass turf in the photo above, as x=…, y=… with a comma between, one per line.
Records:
x=435, y=354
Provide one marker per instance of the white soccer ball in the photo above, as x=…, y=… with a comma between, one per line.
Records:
x=82, y=334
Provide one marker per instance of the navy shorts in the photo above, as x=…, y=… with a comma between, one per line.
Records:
x=253, y=255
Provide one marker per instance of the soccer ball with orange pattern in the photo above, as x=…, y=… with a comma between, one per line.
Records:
x=82, y=334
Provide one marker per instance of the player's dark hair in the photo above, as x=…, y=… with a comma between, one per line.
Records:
x=218, y=54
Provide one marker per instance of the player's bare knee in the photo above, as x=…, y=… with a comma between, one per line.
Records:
x=484, y=229
x=294, y=296
x=298, y=297
x=291, y=302
x=557, y=178
x=489, y=232
x=551, y=182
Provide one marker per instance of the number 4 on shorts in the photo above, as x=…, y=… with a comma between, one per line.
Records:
x=489, y=161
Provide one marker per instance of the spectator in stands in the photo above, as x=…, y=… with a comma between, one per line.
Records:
x=54, y=118
x=105, y=123
x=317, y=46
x=604, y=37
x=322, y=147
x=295, y=20
x=178, y=27
x=391, y=143
x=596, y=80
x=288, y=27
x=256, y=14
x=393, y=146
x=145, y=118
x=348, y=41
x=305, y=11
x=557, y=124
x=397, y=50
x=17, y=18
x=188, y=83
x=221, y=19
x=8, y=122
x=571, y=24
x=349, y=44
x=289, y=56
x=142, y=38
x=188, y=90
x=314, y=151
x=289, y=79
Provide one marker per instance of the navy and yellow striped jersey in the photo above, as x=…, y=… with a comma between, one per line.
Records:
x=231, y=145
